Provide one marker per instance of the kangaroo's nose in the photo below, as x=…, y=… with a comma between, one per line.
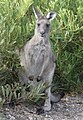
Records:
x=42, y=33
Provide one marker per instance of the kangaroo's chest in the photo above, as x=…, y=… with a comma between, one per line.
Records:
x=38, y=53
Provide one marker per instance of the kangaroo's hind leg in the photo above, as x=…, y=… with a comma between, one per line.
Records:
x=48, y=80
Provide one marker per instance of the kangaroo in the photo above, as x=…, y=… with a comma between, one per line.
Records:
x=37, y=58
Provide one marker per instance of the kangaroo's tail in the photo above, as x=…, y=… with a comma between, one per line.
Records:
x=56, y=98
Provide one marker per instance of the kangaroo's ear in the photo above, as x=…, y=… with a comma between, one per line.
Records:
x=51, y=15
x=37, y=13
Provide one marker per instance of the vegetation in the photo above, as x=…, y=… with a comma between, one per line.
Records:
x=17, y=26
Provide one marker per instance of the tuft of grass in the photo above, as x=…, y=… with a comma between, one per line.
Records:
x=19, y=93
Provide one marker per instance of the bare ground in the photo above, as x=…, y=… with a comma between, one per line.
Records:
x=69, y=108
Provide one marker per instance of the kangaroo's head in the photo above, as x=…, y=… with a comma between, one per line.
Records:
x=43, y=23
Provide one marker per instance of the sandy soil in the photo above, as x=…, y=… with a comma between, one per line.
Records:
x=69, y=108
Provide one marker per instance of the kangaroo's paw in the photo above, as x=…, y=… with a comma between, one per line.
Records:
x=39, y=78
x=49, y=115
x=47, y=107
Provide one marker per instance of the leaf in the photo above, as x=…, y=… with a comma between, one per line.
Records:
x=3, y=91
x=2, y=41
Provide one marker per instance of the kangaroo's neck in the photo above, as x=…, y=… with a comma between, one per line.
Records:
x=45, y=40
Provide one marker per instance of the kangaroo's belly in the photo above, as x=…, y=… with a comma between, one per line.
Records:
x=35, y=58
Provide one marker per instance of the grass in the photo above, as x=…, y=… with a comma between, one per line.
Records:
x=17, y=23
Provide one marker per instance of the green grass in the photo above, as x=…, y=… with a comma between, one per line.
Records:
x=17, y=23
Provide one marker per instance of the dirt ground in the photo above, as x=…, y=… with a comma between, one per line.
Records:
x=69, y=108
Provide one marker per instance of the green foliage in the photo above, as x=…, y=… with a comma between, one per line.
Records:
x=20, y=93
x=17, y=26
x=14, y=29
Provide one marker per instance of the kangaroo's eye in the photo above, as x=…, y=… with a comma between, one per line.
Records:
x=47, y=25
x=38, y=24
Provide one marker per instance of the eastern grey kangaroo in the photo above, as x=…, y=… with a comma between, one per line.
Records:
x=37, y=58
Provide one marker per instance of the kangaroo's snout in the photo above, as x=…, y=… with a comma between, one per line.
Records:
x=42, y=33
